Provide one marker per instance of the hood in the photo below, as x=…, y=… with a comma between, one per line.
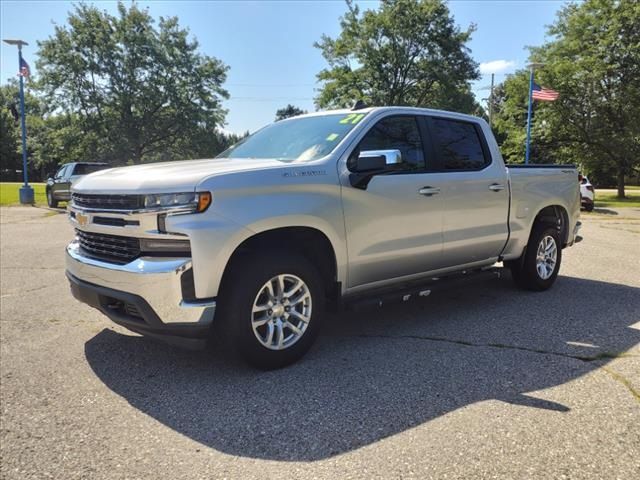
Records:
x=166, y=177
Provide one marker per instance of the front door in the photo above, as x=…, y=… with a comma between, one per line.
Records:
x=394, y=223
x=58, y=188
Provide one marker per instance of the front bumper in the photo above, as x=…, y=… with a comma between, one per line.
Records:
x=145, y=295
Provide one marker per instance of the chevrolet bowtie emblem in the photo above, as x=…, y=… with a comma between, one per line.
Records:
x=82, y=219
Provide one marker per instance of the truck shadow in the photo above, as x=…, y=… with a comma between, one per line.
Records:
x=375, y=374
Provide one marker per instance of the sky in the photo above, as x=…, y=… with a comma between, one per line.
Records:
x=268, y=45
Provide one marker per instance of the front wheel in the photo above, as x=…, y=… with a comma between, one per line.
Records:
x=271, y=308
x=539, y=267
x=52, y=202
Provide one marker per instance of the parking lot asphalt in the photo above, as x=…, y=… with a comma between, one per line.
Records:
x=482, y=382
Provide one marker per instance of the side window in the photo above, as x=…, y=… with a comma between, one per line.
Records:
x=459, y=145
x=397, y=133
x=60, y=173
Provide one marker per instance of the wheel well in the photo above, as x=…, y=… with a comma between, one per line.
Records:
x=555, y=215
x=309, y=242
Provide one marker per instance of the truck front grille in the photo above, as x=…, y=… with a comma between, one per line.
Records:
x=112, y=248
x=108, y=202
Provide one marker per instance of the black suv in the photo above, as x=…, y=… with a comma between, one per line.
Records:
x=59, y=185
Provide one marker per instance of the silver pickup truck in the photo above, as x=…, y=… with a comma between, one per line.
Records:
x=312, y=214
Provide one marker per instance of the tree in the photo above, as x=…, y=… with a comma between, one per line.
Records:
x=288, y=111
x=133, y=90
x=593, y=61
x=10, y=158
x=10, y=132
x=408, y=52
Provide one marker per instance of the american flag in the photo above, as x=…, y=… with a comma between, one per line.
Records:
x=544, y=94
x=25, y=71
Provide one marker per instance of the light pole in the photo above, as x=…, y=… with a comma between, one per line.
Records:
x=532, y=67
x=26, y=192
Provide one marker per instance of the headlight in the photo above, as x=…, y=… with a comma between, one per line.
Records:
x=195, y=202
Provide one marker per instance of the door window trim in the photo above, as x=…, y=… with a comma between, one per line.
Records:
x=439, y=162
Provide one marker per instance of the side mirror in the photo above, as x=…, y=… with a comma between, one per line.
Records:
x=369, y=160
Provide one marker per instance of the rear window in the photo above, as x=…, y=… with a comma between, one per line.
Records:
x=84, y=169
x=459, y=145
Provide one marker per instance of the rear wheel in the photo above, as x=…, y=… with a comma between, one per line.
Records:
x=539, y=267
x=271, y=308
x=52, y=202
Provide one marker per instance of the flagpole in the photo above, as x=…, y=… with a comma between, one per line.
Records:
x=532, y=66
x=526, y=156
x=26, y=192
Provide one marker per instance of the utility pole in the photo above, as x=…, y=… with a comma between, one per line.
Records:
x=491, y=101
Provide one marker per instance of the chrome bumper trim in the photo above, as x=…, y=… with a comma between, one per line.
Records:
x=155, y=279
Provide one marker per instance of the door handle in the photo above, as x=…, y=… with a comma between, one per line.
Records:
x=428, y=191
x=496, y=187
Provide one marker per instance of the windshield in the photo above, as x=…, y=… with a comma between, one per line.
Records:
x=298, y=139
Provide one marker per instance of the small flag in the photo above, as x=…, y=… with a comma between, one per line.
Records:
x=544, y=94
x=25, y=71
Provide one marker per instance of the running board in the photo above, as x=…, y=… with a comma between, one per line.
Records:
x=416, y=290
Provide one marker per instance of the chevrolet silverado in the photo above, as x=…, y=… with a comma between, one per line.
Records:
x=307, y=215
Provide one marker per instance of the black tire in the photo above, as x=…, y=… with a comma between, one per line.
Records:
x=589, y=207
x=240, y=289
x=525, y=270
x=52, y=202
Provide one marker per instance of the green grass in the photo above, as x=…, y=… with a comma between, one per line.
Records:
x=9, y=193
x=611, y=200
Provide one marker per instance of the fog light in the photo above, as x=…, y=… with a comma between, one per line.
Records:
x=164, y=246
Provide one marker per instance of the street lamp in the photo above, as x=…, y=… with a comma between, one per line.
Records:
x=532, y=67
x=26, y=192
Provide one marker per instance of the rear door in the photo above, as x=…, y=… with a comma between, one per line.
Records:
x=394, y=230
x=474, y=192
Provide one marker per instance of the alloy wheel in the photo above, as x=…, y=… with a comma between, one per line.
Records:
x=281, y=311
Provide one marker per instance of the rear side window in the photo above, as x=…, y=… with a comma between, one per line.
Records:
x=397, y=133
x=459, y=145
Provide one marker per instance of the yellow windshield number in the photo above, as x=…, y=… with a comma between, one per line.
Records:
x=352, y=118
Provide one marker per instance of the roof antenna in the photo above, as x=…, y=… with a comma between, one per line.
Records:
x=359, y=105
